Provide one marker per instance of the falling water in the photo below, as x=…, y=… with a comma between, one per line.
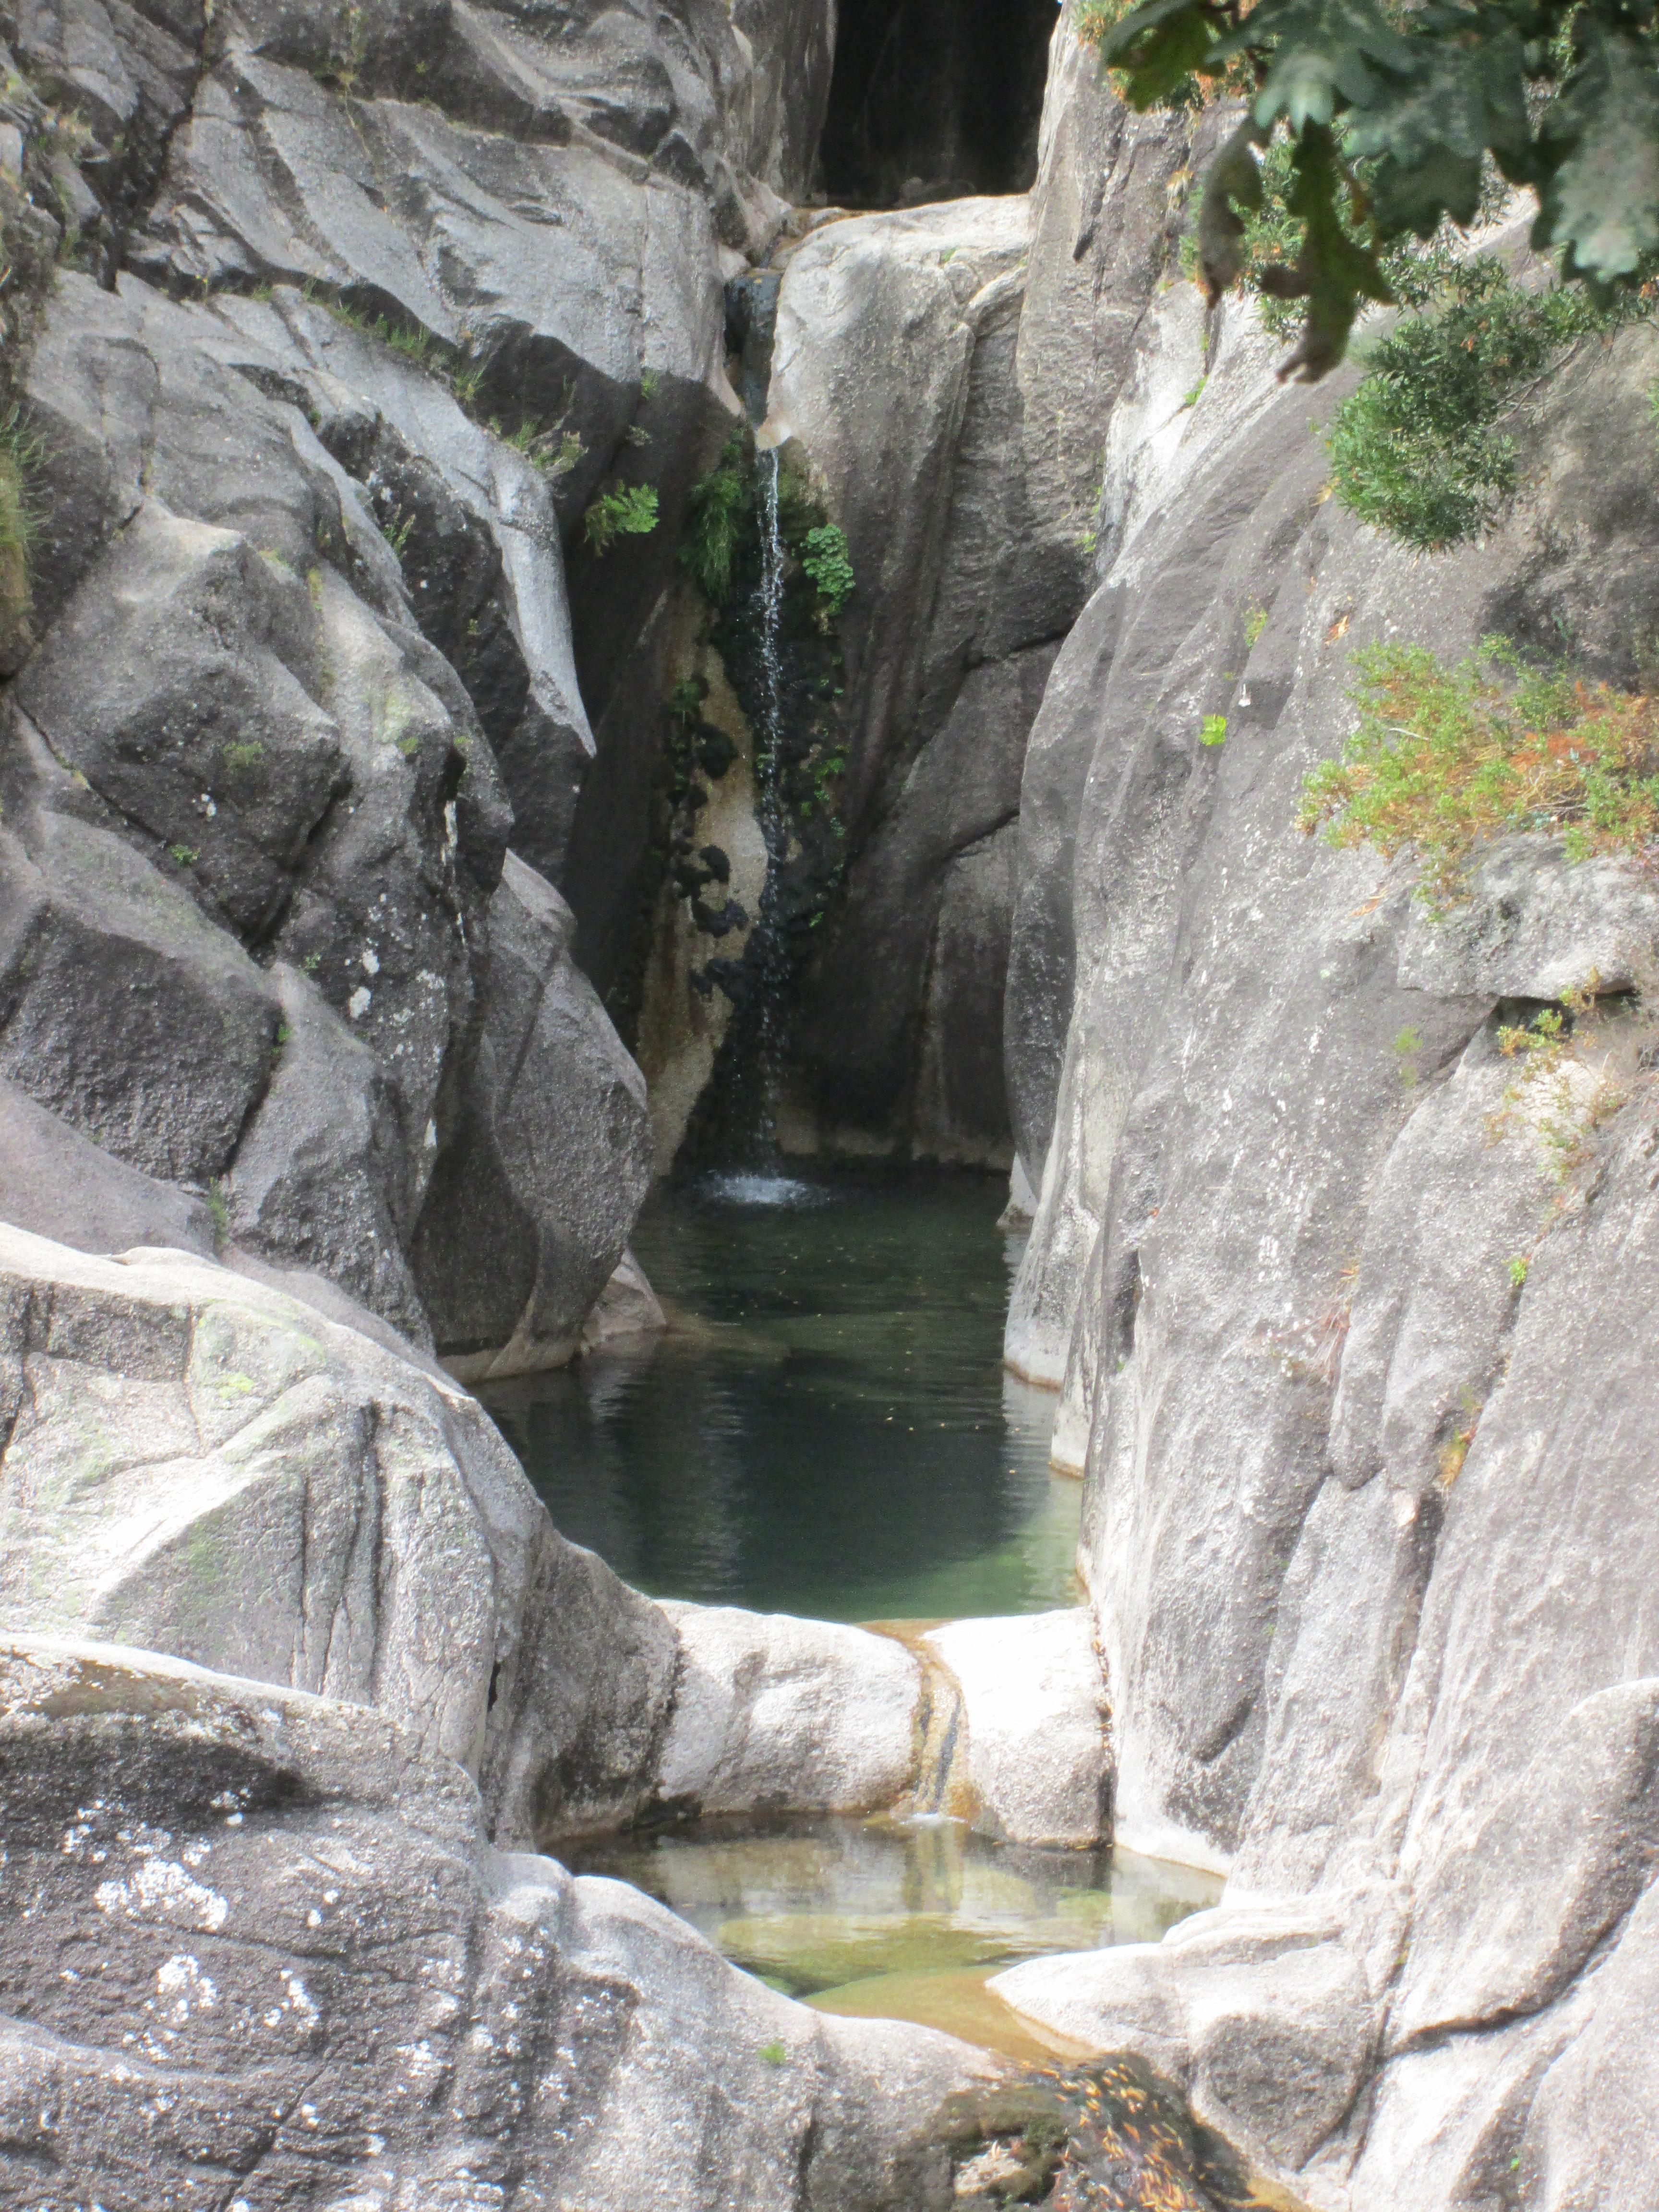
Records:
x=770, y=956
x=771, y=613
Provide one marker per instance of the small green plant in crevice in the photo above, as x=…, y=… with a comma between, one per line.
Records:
x=774, y=2054
x=721, y=509
x=1419, y=447
x=1561, y=1093
x=396, y=530
x=549, y=447
x=1405, y=1045
x=219, y=1213
x=1192, y=398
x=1212, y=729
x=824, y=557
x=1520, y=1268
x=1446, y=758
x=1455, y=1447
x=625, y=511
x=1255, y=621
x=19, y=454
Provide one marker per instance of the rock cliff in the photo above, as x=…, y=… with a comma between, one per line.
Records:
x=364, y=737
x=1344, y=1317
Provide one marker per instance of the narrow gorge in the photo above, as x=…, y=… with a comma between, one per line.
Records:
x=828, y=1255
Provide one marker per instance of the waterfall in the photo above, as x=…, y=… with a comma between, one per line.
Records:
x=769, y=954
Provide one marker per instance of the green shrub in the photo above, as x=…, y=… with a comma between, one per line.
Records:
x=722, y=503
x=1094, y=18
x=1445, y=758
x=1212, y=729
x=1416, y=447
x=824, y=557
x=627, y=510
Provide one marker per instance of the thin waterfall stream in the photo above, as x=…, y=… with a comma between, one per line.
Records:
x=772, y=965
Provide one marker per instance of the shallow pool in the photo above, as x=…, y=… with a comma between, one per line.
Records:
x=905, y=1921
x=828, y=1428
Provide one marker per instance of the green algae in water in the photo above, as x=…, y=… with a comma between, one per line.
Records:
x=828, y=1429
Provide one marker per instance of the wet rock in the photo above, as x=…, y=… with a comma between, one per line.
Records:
x=314, y=1976
x=626, y=1310
x=1109, y=2135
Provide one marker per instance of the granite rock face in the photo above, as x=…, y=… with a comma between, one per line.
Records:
x=254, y=830
x=945, y=372
x=384, y=302
x=198, y=1464
x=1034, y=1759
x=534, y=1195
x=312, y=1980
x=772, y=1711
x=1317, y=1270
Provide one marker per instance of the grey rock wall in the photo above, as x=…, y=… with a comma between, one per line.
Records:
x=356, y=312
x=1367, y=1451
x=948, y=372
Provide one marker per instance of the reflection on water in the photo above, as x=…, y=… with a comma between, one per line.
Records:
x=903, y=1921
x=828, y=1428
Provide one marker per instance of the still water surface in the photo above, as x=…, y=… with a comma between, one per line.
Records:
x=903, y=1921
x=828, y=1428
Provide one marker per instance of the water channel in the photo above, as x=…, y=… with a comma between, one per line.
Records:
x=827, y=1428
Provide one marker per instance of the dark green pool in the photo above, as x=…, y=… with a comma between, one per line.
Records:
x=828, y=1428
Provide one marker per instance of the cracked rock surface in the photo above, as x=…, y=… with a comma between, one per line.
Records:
x=272, y=1958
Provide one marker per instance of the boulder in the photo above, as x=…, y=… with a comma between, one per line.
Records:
x=301, y=1972
x=626, y=1310
x=285, y=768
x=288, y=768
x=1269, y=2038
x=476, y=527
x=198, y=1463
x=59, y=1184
x=1038, y=1765
x=771, y=1712
x=124, y=1010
